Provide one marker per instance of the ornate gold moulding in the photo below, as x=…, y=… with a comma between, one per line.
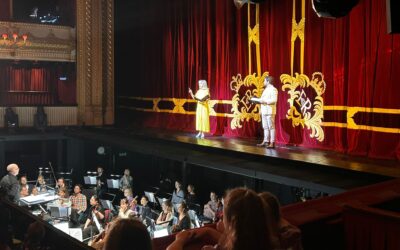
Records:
x=43, y=43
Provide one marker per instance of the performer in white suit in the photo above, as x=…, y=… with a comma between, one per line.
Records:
x=268, y=101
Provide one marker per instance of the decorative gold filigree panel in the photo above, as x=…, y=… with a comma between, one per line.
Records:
x=242, y=109
x=306, y=109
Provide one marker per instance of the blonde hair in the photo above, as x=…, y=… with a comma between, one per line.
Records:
x=203, y=84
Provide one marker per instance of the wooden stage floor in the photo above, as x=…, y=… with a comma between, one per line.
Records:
x=326, y=171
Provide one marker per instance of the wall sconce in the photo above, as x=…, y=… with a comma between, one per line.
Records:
x=14, y=41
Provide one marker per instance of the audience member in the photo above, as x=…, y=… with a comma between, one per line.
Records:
x=10, y=182
x=40, y=119
x=126, y=180
x=126, y=234
x=245, y=225
x=183, y=219
x=11, y=120
x=191, y=197
x=34, y=236
x=289, y=236
x=165, y=216
x=124, y=211
x=211, y=207
x=178, y=195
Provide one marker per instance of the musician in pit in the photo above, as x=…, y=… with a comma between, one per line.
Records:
x=95, y=221
x=23, y=182
x=41, y=184
x=124, y=211
x=101, y=187
x=126, y=181
x=78, y=205
x=10, y=184
x=61, y=183
x=64, y=200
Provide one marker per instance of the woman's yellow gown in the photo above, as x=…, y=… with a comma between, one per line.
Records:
x=202, y=111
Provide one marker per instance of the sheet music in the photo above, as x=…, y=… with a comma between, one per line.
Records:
x=41, y=198
x=76, y=233
x=150, y=195
x=96, y=221
x=112, y=183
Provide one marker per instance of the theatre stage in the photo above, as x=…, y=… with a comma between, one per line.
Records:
x=325, y=171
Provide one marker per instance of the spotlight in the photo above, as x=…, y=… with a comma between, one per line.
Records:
x=240, y=3
x=333, y=8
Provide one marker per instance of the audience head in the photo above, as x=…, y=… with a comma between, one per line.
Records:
x=190, y=188
x=77, y=188
x=183, y=208
x=144, y=200
x=273, y=204
x=167, y=206
x=13, y=169
x=245, y=221
x=127, y=234
x=178, y=185
x=23, y=180
x=34, y=235
x=127, y=172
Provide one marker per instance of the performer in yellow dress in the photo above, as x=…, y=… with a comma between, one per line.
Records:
x=203, y=111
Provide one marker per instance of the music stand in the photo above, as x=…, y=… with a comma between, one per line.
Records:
x=60, y=212
x=160, y=233
x=151, y=196
x=113, y=183
x=90, y=180
x=107, y=204
x=161, y=200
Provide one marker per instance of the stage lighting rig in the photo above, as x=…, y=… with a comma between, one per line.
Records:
x=240, y=3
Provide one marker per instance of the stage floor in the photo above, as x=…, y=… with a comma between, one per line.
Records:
x=327, y=171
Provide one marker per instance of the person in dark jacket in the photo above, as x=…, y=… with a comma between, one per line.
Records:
x=10, y=182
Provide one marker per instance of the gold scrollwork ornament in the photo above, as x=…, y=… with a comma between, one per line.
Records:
x=313, y=121
x=242, y=108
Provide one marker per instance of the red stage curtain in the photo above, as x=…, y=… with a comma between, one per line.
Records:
x=176, y=43
x=26, y=84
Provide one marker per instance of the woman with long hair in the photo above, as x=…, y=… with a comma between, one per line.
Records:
x=245, y=225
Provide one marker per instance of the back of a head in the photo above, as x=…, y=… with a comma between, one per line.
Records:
x=273, y=204
x=127, y=234
x=35, y=233
x=245, y=221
